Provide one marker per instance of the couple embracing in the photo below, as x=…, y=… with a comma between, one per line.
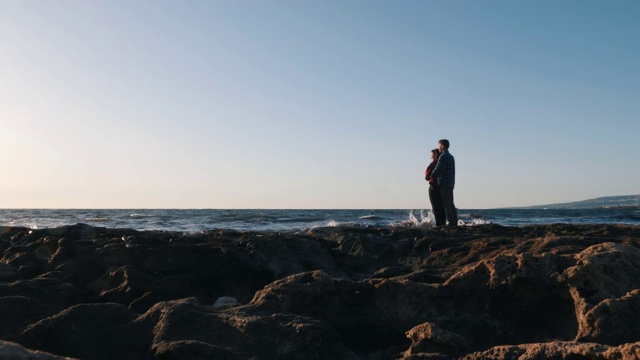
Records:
x=441, y=175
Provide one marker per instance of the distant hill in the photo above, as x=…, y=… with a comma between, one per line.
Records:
x=608, y=201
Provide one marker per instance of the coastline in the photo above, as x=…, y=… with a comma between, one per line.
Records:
x=480, y=292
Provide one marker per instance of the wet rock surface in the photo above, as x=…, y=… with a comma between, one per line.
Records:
x=483, y=292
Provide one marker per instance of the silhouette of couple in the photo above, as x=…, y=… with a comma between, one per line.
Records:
x=441, y=175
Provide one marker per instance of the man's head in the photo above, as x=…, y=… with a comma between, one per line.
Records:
x=443, y=144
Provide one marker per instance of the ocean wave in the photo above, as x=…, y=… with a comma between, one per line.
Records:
x=632, y=217
x=297, y=220
x=478, y=221
x=370, y=217
x=332, y=224
x=139, y=216
x=284, y=220
x=425, y=221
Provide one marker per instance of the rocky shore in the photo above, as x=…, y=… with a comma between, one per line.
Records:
x=482, y=292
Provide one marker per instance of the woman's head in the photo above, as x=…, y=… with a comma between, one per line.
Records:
x=435, y=153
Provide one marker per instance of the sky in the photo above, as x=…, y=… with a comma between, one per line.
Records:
x=313, y=104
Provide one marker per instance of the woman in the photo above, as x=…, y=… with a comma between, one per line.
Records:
x=434, y=193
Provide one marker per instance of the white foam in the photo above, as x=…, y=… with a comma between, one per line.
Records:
x=333, y=223
x=477, y=221
x=426, y=221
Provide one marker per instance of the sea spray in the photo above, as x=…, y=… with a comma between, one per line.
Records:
x=426, y=220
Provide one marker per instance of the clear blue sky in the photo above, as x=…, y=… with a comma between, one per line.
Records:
x=316, y=104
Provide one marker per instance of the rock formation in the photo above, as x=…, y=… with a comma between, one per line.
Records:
x=482, y=292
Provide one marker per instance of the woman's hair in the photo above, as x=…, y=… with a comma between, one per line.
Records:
x=436, y=152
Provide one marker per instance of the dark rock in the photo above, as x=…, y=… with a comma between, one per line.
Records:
x=559, y=350
x=146, y=301
x=603, y=284
x=122, y=285
x=612, y=321
x=430, y=338
x=13, y=351
x=390, y=272
x=481, y=292
x=193, y=349
x=184, y=329
x=17, y=312
x=7, y=273
x=47, y=288
x=86, y=331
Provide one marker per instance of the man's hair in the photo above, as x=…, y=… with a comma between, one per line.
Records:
x=444, y=143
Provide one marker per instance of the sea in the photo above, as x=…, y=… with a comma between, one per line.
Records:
x=198, y=220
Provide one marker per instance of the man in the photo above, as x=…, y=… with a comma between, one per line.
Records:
x=445, y=173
